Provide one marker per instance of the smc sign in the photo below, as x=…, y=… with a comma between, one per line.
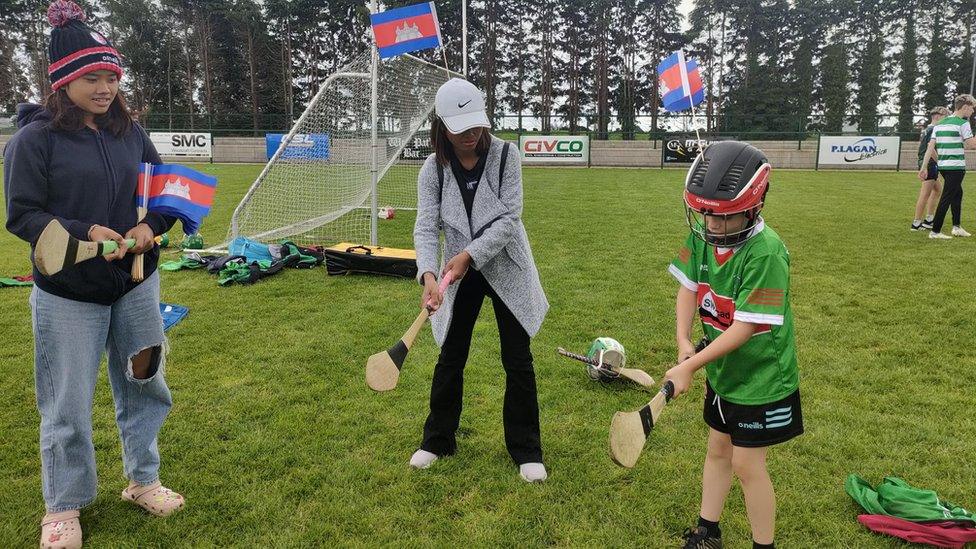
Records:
x=189, y=140
x=555, y=148
x=869, y=151
x=182, y=144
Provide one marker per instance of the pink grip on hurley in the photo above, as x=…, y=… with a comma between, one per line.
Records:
x=445, y=282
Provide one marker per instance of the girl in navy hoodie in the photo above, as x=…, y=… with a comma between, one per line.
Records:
x=76, y=160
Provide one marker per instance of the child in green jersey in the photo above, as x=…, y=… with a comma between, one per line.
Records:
x=734, y=270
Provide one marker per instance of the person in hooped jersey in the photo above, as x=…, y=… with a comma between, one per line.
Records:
x=735, y=271
x=471, y=188
x=951, y=137
x=931, y=190
x=76, y=160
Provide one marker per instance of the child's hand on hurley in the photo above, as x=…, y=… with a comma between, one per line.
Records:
x=680, y=377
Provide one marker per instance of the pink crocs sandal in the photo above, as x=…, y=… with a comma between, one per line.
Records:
x=155, y=498
x=61, y=530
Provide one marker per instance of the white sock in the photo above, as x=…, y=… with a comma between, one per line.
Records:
x=421, y=459
x=930, y=217
x=916, y=222
x=533, y=472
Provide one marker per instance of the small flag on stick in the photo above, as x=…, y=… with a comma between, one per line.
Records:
x=180, y=192
x=681, y=83
x=406, y=29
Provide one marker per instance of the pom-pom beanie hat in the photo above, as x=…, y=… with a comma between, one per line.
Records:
x=75, y=49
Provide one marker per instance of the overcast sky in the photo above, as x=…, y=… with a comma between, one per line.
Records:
x=685, y=9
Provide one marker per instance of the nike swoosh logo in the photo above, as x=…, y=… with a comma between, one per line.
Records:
x=465, y=104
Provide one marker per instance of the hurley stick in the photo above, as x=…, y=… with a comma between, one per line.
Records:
x=383, y=368
x=56, y=249
x=629, y=430
x=639, y=377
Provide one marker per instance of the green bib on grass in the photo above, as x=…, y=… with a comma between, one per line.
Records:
x=895, y=497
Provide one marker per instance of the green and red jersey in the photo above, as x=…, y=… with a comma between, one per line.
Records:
x=749, y=283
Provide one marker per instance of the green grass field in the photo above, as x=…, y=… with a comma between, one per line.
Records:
x=276, y=441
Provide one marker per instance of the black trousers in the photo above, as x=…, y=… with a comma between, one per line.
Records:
x=521, y=408
x=951, y=199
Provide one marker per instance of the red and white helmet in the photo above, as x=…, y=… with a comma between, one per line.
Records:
x=728, y=178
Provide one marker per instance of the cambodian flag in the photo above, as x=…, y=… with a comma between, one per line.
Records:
x=681, y=83
x=406, y=29
x=178, y=191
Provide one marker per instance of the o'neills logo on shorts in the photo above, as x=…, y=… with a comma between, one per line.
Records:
x=753, y=425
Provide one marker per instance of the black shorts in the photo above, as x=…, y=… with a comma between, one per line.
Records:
x=933, y=173
x=754, y=426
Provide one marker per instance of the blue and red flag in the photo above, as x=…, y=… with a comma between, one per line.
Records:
x=681, y=83
x=406, y=29
x=178, y=191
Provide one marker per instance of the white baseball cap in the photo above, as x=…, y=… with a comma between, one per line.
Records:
x=461, y=106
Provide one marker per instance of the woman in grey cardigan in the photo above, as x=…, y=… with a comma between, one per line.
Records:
x=471, y=187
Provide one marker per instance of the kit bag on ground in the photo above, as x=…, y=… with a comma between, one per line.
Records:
x=346, y=258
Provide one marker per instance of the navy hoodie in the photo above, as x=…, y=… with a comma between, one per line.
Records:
x=81, y=178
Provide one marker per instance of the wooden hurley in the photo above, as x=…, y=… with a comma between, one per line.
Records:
x=629, y=430
x=639, y=377
x=146, y=177
x=383, y=368
x=57, y=249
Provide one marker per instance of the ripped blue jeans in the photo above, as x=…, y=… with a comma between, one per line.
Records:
x=69, y=337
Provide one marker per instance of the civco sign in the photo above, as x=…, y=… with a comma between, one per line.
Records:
x=570, y=149
x=182, y=144
x=863, y=150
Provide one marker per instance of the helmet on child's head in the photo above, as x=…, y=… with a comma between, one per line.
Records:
x=610, y=354
x=727, y=178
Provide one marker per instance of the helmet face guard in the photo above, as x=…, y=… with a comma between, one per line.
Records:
x=716, y=186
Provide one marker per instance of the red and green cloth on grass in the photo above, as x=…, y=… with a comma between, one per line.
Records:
x=913, y=514
x=16, y=281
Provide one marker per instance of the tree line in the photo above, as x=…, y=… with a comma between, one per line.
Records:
x=572, y=65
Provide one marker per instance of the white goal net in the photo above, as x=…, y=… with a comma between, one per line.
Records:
x=317, y=189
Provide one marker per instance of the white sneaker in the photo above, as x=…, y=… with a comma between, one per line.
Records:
x=533, y=472
x=421, y=459
x=959, y=231
x=941, y=236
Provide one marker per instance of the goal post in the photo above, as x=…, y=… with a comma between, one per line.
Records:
x=344, y=157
